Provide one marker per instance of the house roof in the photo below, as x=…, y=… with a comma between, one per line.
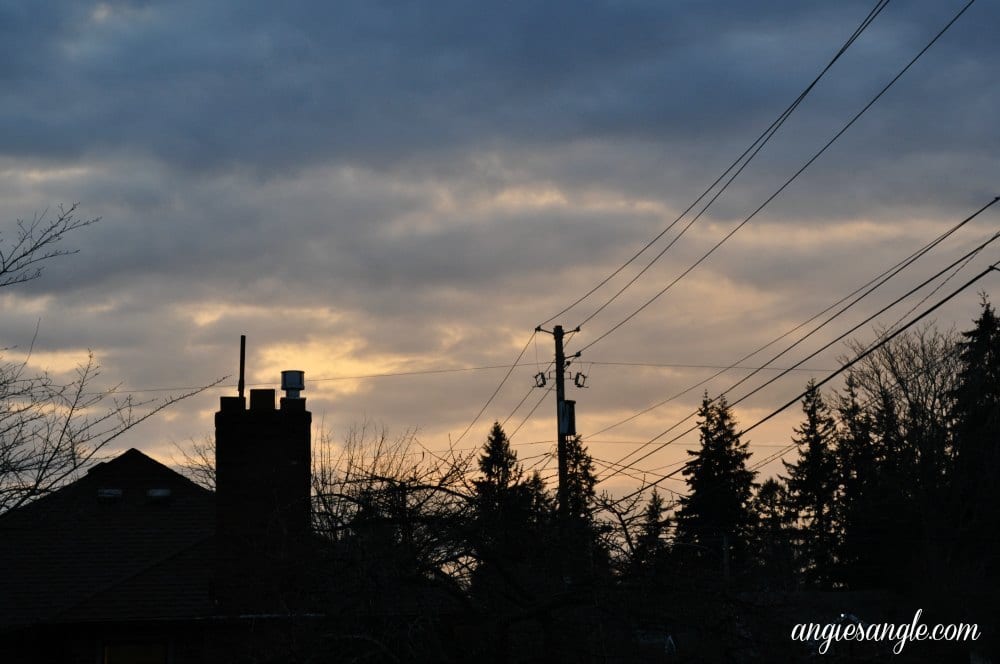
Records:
x=130, y=540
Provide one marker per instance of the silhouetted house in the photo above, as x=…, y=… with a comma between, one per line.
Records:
x=133, y=563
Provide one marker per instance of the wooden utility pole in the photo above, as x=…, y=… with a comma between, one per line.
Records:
x=561, y=417
x=565, y=417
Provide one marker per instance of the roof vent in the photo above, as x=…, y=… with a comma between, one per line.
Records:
x=293, y=382
x=109, y=495
x=158, y=495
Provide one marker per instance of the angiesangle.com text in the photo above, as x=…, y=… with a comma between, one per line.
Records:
x=900, y=634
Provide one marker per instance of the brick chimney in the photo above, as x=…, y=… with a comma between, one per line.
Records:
x=263, y=481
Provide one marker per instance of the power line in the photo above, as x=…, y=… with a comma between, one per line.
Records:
x=525, y=397
x=420, y=372
x=789, y=447
x=544, y=462
x=497, y=390
x=787, y=182
x=785, y=449
x=748, y=154
x=532, y=411
x=813, y=354
x=324, y=379
x=941, y=285
x=664, y=365
x=611, y=464
x=878, y=345
x=871, y=286
x=846, y=366
x=518, y=406
x=636, y=442
x=871, y=16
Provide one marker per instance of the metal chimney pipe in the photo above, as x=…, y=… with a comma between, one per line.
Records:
x=293, y=382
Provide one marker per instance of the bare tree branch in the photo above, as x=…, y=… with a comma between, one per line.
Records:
x=35, y=242
x=50, y=432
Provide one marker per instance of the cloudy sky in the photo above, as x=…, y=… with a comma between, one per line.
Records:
x=388, y=188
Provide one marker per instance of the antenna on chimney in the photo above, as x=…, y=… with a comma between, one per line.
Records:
x=243, y=362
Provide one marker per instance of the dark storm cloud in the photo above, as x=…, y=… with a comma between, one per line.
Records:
x=274, y=87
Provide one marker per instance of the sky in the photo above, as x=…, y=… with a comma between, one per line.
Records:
x=368, y=188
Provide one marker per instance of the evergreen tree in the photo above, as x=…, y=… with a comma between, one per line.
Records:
x=892, y=546
x=650, y=545
x=582, y=555
x=541, y=506
x=770, y=507
x=771, y=541
x=857, y=472
x=501, y=503
x=498, y=462
x=973, y=511
x=716, y=512
x=648, y=588
x=879, y=516
x=976, y=401
x=580, y=480
x=506, y=537
x=895, y=459
x=812, y=485
x=499, y=494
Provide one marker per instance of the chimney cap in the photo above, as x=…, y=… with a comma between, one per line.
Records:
x=292, y=382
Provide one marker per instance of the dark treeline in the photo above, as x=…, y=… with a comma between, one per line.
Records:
x=888, y=501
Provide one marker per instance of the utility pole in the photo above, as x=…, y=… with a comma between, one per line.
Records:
x=565, y=415
x=557, y=333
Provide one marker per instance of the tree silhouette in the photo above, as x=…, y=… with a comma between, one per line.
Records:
x=499, y=494
x=857, y=472
x=892, y=546
x=771, y=537
x=649, y=556
x=580, y=480
x=976, y=409
x=973, y=510
x=715, y=516
x=812, y=484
